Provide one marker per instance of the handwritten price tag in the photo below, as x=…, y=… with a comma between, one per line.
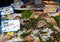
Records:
x=6, y=10
x=10, y=25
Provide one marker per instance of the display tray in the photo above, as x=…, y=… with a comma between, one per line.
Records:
x=36, y=26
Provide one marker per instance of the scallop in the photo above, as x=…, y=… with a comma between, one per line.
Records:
x=41, y=24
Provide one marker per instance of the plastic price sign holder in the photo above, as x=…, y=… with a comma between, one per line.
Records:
x=38, y=1
x=10, y=25
x=6, y=10
x=38, y=4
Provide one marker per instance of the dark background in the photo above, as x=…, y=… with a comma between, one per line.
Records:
x=5, y=2
x=8, y=2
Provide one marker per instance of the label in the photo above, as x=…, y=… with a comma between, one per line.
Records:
x=10, y=33
x=6, y=10
x=10, y=25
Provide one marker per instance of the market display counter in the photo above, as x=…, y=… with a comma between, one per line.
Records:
x=35, y=26
x=29, y=23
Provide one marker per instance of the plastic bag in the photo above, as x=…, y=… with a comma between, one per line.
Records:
x=17, y=4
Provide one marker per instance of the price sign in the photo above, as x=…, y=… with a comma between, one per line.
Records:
x=6, y=10
x=10, y=25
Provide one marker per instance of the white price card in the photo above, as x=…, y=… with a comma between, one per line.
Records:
x=6, y=10
x=10, y=25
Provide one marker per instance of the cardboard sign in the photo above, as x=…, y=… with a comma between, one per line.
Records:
x=10, y=25
x=6, y=10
